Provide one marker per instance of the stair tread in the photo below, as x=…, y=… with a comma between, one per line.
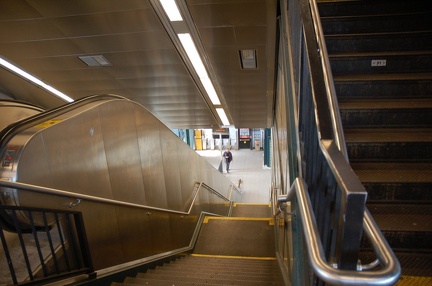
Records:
x=364, y=8
x=373, y=34
x=385, y=103
x=220, y=267
x=173, y=270
x=380, y=54
x=393, y=172
x=206, y=273
x=388, y=135
x=414, y=218
x=203, y=280
x=415, y=264
x=205, y=260
x=243, y=237
x=381, y=77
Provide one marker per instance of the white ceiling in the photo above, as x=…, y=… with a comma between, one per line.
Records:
x=46, y=37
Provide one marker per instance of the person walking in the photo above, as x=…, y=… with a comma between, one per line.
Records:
x=228, y=158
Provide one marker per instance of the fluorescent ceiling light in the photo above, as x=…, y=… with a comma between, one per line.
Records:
x=193, y=54
x=198, y=65
x=211, y=92
x=171, y=10
x=34, y=80
x=222, y=116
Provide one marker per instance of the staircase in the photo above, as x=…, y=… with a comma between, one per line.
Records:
x=234, y=250
x=381, y=58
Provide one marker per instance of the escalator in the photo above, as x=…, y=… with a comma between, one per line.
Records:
x=237, y=250
x=124, y=176
x=381, y=58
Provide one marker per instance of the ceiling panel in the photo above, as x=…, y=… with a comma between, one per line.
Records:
x=45, y=38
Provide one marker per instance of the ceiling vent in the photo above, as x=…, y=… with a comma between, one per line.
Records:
x=248, y=59
x=95, y=61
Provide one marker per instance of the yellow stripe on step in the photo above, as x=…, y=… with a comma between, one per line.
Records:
x=251, y=204
x=207, y=218
x=233, y=257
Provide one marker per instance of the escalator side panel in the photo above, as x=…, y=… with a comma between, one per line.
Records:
x=75, y=158
x=148, y=132
x=122, y=152
x=171, y=165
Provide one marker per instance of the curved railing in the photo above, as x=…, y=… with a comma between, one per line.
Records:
x=325, y=270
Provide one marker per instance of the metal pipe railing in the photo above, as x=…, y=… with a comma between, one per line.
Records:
x=390, y=271
x=61, y=245
x=80, y=197
x=328, y=81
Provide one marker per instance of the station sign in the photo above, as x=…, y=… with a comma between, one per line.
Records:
x=221, y=131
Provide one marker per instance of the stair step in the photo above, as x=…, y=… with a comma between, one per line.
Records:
x=412, y=264
x=405, y=226
x=231, y=262
x=381, y=63
x=386, y=113
x=197, y=270
x=204, y=274
x=393, y=172
x=191, y=271
x=220, y=267
x=383, y=86
x=376, y=23
x=391, y=145
x=399, y=192
x=329, y=8
x=379, y=42
x=167, y=281
x=243, y=237
x=252, y=210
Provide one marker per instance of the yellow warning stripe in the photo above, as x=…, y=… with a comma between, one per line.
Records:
x=207, y=218
x=251, y=204
x=414, y=280
x=233, y=257
x=49, y=123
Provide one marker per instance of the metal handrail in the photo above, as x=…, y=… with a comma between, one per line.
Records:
x=388, y=275
x=328, y=81
x=7, y=133
x=79, y=197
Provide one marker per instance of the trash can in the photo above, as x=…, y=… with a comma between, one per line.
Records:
x=257, y=145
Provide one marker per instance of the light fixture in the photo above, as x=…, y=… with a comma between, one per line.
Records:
x=171, y=10
x=192, y=52
x=95, y=61
x=222, y=116
x=34, y=80
x=184, y=35
x=248, y=59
